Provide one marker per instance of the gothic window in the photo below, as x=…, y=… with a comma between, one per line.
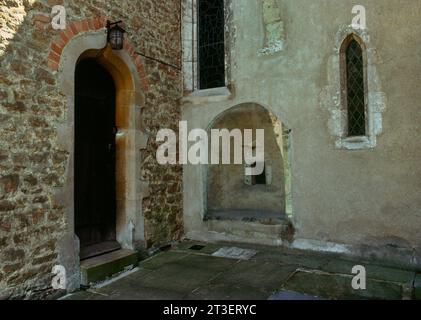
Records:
x=211, y=43
x=355, y=102
x=354, y=87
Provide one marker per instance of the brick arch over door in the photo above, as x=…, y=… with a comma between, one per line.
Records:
x=131, y=141
x=77, y=28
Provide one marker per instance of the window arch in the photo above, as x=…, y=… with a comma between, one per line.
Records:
x=354, y=85
x=334, y=97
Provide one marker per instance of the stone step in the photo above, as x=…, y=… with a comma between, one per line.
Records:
x=100, y=268
x=263, y=217
x=99, y=249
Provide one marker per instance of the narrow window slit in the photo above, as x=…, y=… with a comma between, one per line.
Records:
x=211, y=16
x=355, y=88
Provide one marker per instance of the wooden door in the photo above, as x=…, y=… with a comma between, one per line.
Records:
x=95, y=152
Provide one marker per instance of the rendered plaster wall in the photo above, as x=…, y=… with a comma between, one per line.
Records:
x=359, y=198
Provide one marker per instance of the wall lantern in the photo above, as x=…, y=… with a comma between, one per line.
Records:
x=115, y=35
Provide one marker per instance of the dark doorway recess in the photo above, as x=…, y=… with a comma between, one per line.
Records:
x=95, y=159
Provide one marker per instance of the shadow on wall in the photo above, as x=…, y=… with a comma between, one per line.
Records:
x=231, y=194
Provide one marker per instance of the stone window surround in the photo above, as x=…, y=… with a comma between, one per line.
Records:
x=332, y=96
x=131, y=189
x=344, y=80
x=190, y=56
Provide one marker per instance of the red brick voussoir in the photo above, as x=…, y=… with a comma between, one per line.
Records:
x=94, y=24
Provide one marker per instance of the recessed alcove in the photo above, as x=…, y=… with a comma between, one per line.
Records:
x=231, y=195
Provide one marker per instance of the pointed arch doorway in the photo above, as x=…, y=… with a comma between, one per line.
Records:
x=130, y=142
x=95, y=159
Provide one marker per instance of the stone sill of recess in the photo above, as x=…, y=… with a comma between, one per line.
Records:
x=262, y=217
x=208, y=95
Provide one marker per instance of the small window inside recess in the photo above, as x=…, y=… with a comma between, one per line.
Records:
x=260, y=179
x=211, y=43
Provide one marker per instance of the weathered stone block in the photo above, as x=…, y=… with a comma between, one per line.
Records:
x=99, y=268
x=10, y=268
x=12, y=255
x=47, y=247
x=45, y=259
x=43, y=75
x=6, y=205
x=3, y=242
x=15, y=107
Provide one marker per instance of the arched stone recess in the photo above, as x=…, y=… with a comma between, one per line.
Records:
x=332, y=96
x=131, y=139
x=234, y=207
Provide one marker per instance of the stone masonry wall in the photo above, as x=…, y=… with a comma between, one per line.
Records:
x=32, y=166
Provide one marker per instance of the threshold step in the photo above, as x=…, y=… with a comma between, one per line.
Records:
x=98, y=249
x=100, y=268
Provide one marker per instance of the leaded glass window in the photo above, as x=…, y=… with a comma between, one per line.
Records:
x=355, y=89
x=211, y=44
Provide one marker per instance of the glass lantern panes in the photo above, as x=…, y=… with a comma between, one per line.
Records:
x=116, y=37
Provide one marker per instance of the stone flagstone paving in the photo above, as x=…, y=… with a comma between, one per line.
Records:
x=273, y=273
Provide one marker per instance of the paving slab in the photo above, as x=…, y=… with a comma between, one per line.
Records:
x=295, y=259
x=265, y=276
x=376, y=272
x=208, y=248
x=227, y=291
x=235, y=253
x=136, y=290
x=292, y=296
x=331, y=286
x=186, y=274
x=206, y=262
x=162, y=259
